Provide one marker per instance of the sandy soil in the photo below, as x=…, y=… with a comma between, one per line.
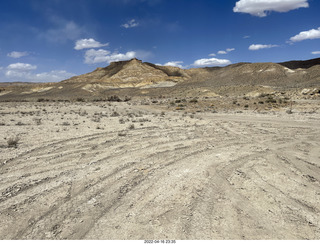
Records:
x=118, y=171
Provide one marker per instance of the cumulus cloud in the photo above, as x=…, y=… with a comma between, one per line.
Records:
x=23, y=67
x=260, y=8
x=93, y=56
x=212, y=54
x=305, y=35
x=130, y=24
x=255, y=47
x=88, y=43
x=315, y=52
x=25, y=72
x=211, y=62
x=175, y=64
x=15, y=54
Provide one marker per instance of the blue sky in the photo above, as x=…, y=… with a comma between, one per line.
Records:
x=51, y=40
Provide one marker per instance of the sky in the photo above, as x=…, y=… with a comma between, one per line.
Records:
x=52, y=40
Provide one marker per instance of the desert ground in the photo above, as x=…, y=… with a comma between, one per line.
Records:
x=146, y=169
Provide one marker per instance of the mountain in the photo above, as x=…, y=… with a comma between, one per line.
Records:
x=132, y=73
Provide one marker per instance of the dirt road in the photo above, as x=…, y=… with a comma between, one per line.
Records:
x=170, y=176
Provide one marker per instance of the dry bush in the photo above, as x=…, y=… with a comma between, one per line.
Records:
x=13, y=141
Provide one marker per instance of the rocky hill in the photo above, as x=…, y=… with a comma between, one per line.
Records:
x=132, y=73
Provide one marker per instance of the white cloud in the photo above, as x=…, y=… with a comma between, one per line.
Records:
x=24, y=72
x=255, y=47
x=130, y=24
x=222, y=52
x=15, y=54
x=96, y=56
x=226, y=51
x=230, y=49
x=304, y=35
x=212, y=54
x=261, y=8
x=211, y=62
x=315, y=52
x=21, y=67
x=175, y=64
x=120, y=56
x=88, y=43
x=100, y=56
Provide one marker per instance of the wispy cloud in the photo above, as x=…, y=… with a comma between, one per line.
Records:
x=130, y=24
x=222, y=52
x=305, y=35
x=206, y=62
x=315, y=52
x=88, y=43
x=255, y=47
x=261, y=8
x=15, y=54
x=64, y=31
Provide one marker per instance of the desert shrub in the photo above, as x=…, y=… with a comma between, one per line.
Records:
x=65, y=123
x=289, y=111
x=114, y=98
x=122, y=133
x=131, y=127
x=20, y=123
x=80, y=99
x=42, y=100
x=13, y=141
x=193, y=100
x=115, y=114
x=37, y=121
x=271, y=100
x=121, y=121
x=96, y=119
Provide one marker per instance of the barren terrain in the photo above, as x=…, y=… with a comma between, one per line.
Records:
x=159, y=170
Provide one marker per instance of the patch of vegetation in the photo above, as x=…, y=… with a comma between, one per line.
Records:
x=13, y=141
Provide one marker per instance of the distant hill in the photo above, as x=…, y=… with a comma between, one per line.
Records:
x=301, y=64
